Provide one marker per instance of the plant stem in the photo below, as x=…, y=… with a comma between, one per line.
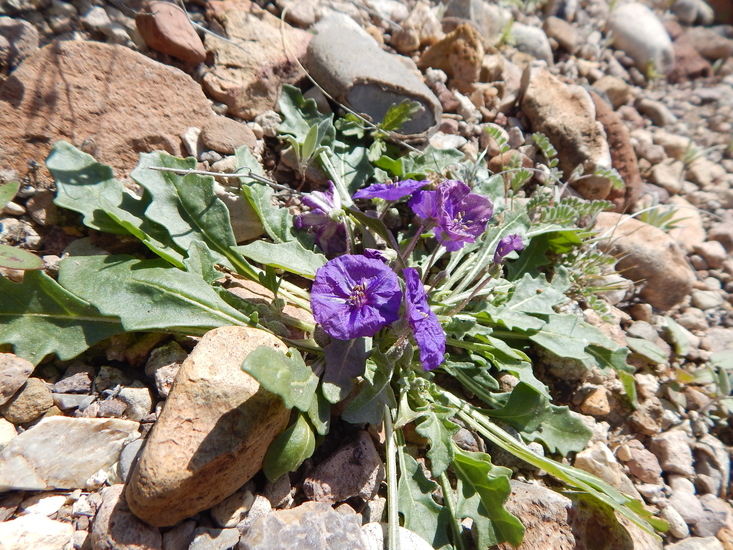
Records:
x=393, y=519
x=448, y=499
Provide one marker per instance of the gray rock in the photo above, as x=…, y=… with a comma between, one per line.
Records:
x=531, y=40
x=139, y=402
x=352, y=67
x=310, y=526
x=260, y=507
x=212, y=434
x=355, y=469
x=7, y=433
x=711, y=459
x=685, y=501
x=695, y=543
x=116, y=527
x=109, y=378
x=657, y=111
x=35, y=531
x=279, y=492
x=21, y=37
x=205, y=538
x=167, y=358
x=180, y=536
x=14, y=371
x=374, y=510
x=62, y=453
x=128, y=458
x=77, y=379
x=677, y=525
x=639, y=33
x=233, y=509
x=672, y=448
x=67, y=401
x=377, y=537
x=707, y=299
x=29, y=403
x=716, y=516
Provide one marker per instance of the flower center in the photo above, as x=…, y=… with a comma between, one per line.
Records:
x=358, y=297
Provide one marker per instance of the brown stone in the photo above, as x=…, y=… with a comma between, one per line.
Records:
x=554, y=521
x=29, y=403
x=459, y=54
x=566, y=115
x=14, y=371
x=502, y=161
x=224, y=135
x=116, y=528
x=165, y=28
x=647, y=254
x=213, y=433
x=688, y=64
x=248, y=74
x=623, y=157
x=108, y=100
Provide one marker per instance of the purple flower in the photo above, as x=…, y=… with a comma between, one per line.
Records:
x=391, y=191
x=459, y=216
x=324, y=220
x=506, y=245
x=354, y=296
x=429, y=335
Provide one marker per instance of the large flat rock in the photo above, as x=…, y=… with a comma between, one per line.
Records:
x=108, y=100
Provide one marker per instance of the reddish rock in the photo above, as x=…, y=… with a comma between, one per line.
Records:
x=688, y=64
x=248, y=75
x=623, y=157
x=165, y=28
x=225, y=135
x=502, y=161
x=459, y=54
x=647, y=254
x=108, y=100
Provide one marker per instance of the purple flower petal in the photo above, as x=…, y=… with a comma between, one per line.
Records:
x=464, y=215
x=391, y=191
x=426, y=206
x=506, y=245
x=330, y=232
x=354, y=296
x=428, y=332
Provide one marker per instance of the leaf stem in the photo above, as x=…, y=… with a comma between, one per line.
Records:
x=448, y=499
x=393, y=519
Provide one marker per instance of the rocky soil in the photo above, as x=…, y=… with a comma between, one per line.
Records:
x=105, y=452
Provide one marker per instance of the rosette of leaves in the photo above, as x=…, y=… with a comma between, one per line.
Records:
x=493, y=313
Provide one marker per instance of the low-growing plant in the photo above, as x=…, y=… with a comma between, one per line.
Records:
x=416, y=324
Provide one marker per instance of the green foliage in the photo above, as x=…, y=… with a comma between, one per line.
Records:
x=16, y=258
x=283, y=374
x=289, y=449
x=8, y=191
x=39, y=317
x=291, y=256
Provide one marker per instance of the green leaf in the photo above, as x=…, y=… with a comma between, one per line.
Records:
x=283, y=374
x=8, y=191
x=568, y=336
x=368, y=406
x=290, y=256
x=530, y=259
x=319, y=414
x=299, y=114
x=398, y=114
x=561, y=430
x=647, y=349
x=16, y=258
x=187, y=206
x=613, y=358
x=202, y=261
x=436, y=426
x=345, y=360
x=678, y=336
x=148, y=294
x=351, y=164
x=39, y=317
x=421, y=513
x=537, y=296
x=88, y=187
x=289, y=449
x=483, y=490
x=278, y=222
